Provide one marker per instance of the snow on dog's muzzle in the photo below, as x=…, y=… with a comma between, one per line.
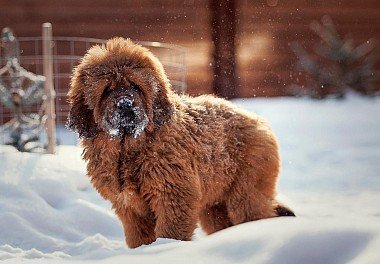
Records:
x=126, y=119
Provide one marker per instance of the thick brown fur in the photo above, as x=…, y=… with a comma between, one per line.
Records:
x=198, y=158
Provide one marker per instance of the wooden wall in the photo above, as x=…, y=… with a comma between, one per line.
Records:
x=266, y=29
x=266, y=33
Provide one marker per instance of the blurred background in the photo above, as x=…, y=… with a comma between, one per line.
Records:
x=233, y=48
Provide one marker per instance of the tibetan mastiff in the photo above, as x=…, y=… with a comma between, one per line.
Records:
x=167, y=161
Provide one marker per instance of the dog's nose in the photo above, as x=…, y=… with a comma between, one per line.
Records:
x=125, y=104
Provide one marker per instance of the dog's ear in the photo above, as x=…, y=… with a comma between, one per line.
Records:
x=80, y=119
x=162, y=108
x=162, y=105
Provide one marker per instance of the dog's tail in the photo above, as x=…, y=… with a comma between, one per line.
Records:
x=282, y=210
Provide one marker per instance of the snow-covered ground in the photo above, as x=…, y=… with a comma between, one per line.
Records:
x=49, y=213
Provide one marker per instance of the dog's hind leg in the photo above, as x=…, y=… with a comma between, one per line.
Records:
x=246, y=203
x=249, y=201
x=214, y=218
x=252, y=194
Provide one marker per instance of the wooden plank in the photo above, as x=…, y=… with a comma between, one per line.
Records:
x=49, y=104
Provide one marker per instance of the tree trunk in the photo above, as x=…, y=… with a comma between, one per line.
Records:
x=223, y=31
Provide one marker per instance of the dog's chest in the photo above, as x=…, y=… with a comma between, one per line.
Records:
x=129, y=166
x=130, y=181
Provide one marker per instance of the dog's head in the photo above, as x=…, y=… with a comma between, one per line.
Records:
x=119, y=88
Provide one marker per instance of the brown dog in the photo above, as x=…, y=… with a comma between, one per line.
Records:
x=166, y=161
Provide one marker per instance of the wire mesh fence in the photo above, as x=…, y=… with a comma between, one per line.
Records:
x=67, y=52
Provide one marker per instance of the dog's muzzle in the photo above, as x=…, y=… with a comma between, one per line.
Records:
x=125, y=106
x=126, y=119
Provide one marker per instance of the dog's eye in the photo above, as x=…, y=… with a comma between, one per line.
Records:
x=135, y=87
x=107, y=90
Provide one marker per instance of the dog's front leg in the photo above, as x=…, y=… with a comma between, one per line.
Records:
x=138, y=221
x=176, y=209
